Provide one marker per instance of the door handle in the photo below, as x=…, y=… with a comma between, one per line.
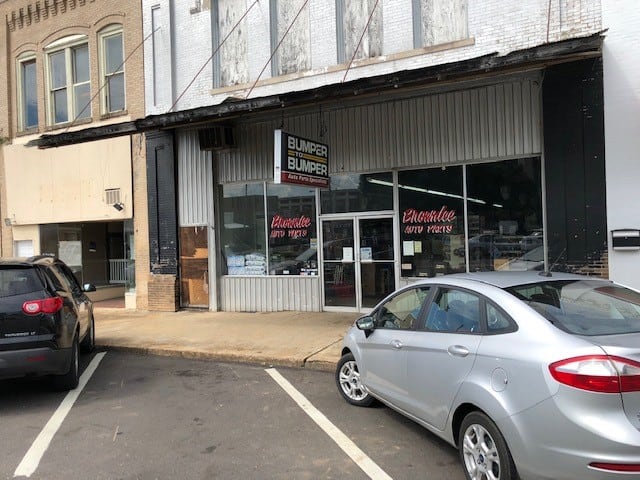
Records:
x=397, y=344
x=458, y=351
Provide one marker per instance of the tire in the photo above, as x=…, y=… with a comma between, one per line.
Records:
x=69, y=380
x=89, y=342
x=483, y=450
x=348, y=382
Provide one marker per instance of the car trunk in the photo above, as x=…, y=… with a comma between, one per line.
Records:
x=625, y=346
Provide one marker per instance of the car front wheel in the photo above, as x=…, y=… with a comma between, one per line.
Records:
x=349, y=384
x=483, y=450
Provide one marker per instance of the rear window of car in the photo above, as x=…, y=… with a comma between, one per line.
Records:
x=18, y=281
x=584, y=307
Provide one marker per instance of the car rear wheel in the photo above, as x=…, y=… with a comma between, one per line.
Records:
x=483, y=450
x=349, y=384
x=69, y=380
x=89, y=341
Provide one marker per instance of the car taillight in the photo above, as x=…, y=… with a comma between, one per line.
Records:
x=616, y=467
x=598, y=373
x=47, y=305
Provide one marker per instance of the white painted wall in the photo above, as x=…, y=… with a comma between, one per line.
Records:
x=494, y=26
x=622, y=129
x=67, y=184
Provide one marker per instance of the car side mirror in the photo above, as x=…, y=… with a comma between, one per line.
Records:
x=366, y=324
x=88, y=287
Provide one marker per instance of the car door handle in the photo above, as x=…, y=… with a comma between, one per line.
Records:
x=458, y=351
x=397, y=344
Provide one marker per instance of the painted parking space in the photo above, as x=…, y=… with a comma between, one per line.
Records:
x=153, y=417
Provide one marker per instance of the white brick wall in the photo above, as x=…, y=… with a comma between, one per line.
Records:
x=495, y=25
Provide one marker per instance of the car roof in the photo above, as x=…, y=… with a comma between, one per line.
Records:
x=506, y=279
x=28, y=261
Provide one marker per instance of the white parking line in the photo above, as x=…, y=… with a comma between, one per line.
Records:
x=367, y=465
x=31, y=460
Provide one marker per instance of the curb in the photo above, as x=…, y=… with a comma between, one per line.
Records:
x=318, y=365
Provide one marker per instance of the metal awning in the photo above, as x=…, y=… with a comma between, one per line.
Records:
x=491, y=64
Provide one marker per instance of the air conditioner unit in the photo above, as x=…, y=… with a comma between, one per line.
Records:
x=219, y=137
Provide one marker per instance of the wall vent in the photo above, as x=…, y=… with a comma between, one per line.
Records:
x=112, y=196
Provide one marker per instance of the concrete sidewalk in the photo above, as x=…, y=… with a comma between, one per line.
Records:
x=293, y=339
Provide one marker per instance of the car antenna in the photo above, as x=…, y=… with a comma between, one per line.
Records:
x=547, y=271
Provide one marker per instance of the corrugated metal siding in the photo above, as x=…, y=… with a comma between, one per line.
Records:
x=480, y=124
x=195, y=181
x=270, y=294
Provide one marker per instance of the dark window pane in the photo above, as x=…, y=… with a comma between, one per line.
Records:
x=113, y=53
x=58, y=70
x=431, y=221
x=115, y=93
x=358, y=193
x=60, y=106
x=30, y=94
x=19, y=281
x=81, y=64
x=82, y=101
x=505, y=215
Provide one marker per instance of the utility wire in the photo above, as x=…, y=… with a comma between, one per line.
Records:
x=212, y=55
x=277, y=47
x=105, y=83
x=355, y=51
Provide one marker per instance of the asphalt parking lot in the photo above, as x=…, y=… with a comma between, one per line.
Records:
x=147, y=417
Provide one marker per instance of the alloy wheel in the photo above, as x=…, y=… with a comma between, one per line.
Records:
x=481, y=457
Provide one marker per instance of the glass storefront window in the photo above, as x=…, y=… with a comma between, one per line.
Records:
x=358, y=193
x=431, y=221
x=243, y=229
x=504, y=204
x=293, y=241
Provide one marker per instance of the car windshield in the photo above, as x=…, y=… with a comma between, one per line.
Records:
x=584, y=307
x=18, y=281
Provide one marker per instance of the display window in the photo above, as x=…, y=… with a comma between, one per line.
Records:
x=504, y=206
x=269, y=229
x=431, y=209
x=293, y=241
x=243, y=229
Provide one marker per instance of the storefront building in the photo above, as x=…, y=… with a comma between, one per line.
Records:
x=469, y=142
x=500, y=173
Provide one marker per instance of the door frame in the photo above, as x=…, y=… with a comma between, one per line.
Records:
x=355, y=219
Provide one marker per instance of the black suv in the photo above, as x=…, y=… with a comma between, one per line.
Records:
x=45, y=318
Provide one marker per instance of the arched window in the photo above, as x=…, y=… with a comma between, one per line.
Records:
x=112, y=85
x=27, y=91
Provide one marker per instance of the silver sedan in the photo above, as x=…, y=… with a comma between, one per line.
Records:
x=530, y=375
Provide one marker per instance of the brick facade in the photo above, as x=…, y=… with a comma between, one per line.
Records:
x=32, y=25
x=163, y=293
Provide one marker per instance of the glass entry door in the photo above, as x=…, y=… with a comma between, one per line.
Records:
x=358, y=261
